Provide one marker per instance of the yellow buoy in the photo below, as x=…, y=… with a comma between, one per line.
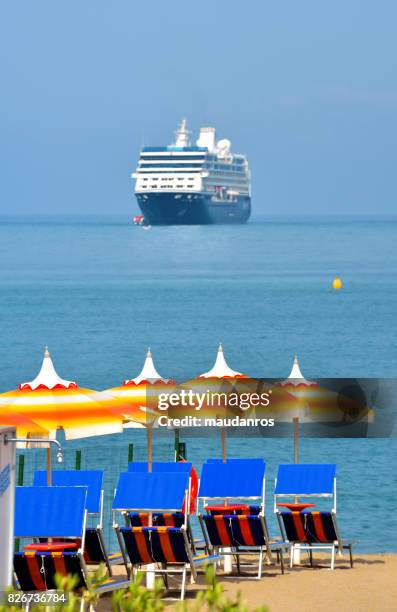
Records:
x=337, y=283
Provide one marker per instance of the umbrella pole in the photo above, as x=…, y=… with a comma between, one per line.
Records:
x=223, y=439
x=49, y=465
x=150, y=574
x=296, y=549
x=149, y=449
x=296, y=434
x=227, y=563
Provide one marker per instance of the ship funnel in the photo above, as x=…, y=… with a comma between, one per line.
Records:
x=207, y=138
x=182, y=135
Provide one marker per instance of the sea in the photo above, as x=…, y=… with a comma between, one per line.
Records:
x=99, y=291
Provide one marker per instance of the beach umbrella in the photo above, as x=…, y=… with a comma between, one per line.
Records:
x=316, y=403
x=139, y=408
x=220, y=379
x=304, y=391
x=52, y=403
x=26, y=428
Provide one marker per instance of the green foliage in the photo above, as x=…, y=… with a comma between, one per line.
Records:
x=139, y=599
x=90, y=595
x=213, y=599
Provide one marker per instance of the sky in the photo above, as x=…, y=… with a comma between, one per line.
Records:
x=308, y=90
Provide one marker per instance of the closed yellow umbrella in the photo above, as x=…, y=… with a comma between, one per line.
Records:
x=137, y=396
x=53, y=403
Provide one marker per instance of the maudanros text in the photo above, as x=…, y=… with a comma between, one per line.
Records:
x=236, y=421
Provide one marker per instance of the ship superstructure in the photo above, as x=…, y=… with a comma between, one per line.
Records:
x=183, y=184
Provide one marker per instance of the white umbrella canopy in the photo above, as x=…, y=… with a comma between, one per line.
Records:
x=221, y=369
x=296, y=378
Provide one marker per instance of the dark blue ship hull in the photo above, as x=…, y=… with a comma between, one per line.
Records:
x=192, y=209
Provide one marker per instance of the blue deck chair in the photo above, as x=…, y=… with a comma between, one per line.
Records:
x=245, y=464
x=307, y=529
x=58, y=513
x=235, y=479
x=233, y=533
x=94, y=544
x=165, y=519
x=168, y=548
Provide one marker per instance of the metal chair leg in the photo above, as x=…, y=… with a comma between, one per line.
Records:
x=333, y=557
x=183, y=587
x=165, y=575
x=351, y=555
x=238, y=563
x=281, y=560
x=260, y=564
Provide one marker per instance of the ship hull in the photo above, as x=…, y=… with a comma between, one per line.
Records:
x=192, y=209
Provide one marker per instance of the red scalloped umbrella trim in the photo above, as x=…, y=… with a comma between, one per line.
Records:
x=27, y=387
x=131, y=383
x=220, y=377
x=298, y=385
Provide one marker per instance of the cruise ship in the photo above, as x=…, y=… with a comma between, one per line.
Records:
x=181, y=184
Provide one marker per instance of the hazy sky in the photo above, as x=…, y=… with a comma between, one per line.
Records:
x=308, y=90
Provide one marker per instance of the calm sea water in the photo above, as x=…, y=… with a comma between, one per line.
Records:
x=99, y=291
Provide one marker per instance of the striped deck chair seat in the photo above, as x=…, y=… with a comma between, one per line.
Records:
x=166, y=519
x=94, y=549
x=243, y=535
x=168, y=547
x=313, y=528
x=165, y=545
x=35, y=571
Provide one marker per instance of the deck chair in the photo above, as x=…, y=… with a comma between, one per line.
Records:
x=244, y=463
x=56, y=513
x=176, y=519
x=307, y=529
x=94, y=544
x=230, y=529
x=163, y=550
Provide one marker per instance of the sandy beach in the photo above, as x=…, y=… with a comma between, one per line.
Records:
x=369, y=586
